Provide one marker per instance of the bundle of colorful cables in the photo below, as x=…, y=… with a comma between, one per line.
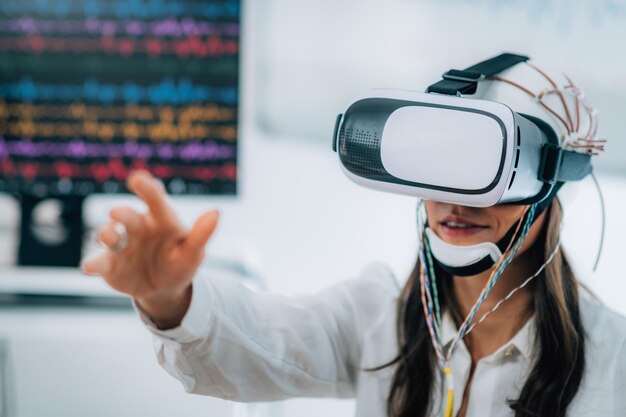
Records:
x=430, y=295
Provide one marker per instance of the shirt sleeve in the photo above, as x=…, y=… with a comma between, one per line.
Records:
x=237, y=344
x=619, y=382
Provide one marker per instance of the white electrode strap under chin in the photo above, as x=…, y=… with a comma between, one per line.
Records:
x=462, y=257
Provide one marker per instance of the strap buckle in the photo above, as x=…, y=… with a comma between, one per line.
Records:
x=459, y=82
x=463, y=75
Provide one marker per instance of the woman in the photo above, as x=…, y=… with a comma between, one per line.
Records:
x=537, y=345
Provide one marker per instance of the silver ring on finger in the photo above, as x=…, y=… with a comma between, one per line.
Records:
x=122, y=234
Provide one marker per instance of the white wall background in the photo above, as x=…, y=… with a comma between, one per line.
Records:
x=314, y=57
x=297, y=220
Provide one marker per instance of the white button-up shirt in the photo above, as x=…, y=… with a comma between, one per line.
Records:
x=236, y=344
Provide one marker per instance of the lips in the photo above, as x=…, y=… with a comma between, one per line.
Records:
x=457, y=226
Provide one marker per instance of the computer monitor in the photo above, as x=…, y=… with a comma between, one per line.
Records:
x=92, y=89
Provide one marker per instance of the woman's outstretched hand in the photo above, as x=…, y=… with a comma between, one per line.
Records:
x=157, y=262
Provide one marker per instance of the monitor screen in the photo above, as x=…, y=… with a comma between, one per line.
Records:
x=91, y=89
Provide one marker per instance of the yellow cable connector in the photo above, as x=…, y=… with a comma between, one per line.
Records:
x=450, y=400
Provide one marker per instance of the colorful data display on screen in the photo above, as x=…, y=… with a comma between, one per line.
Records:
x=92, y=89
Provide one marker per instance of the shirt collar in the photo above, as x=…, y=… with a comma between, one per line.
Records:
x=523, y=340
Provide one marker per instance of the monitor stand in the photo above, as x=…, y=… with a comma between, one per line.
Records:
x=51, y=231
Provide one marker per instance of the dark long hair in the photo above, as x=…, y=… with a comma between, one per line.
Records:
x=560, y=359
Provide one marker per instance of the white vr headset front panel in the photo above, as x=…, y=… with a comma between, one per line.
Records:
x=479, y=164
x=466, y=145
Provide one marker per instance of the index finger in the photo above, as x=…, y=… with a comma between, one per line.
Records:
x=146, y=187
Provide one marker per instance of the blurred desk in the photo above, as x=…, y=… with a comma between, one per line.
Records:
x=67, y=356
x=74, y=348
x=53, y=281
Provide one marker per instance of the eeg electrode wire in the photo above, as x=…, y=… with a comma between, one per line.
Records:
x=429, y=304
x=589, y=144
x=603, y=219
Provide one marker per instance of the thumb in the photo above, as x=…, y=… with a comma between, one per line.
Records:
x=202, y=230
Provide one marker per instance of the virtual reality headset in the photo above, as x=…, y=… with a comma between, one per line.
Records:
x=440, y=146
